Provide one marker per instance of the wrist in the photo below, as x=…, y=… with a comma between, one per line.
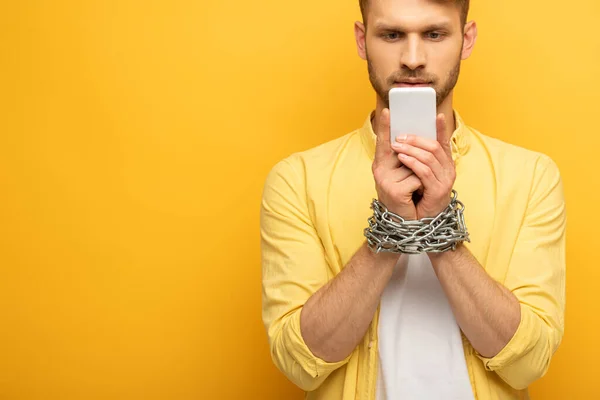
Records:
x=381, y=259
x=390, y=232
x=446, y=258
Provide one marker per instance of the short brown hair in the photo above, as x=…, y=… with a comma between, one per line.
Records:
x=462, y=4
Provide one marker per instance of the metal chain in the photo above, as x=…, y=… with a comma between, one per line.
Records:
x=389, y=232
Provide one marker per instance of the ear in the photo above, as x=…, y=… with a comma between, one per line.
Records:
x=360, y=34
x=469, y=39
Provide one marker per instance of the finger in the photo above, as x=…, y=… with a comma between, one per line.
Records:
x=412, y=184
x=422, y=171
x=444, y=136
x=384, y=155
x=431, y=146
x=392, y=178
x=405, y=189
x=424, y=157
x=400, y=174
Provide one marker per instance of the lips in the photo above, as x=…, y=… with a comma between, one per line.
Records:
x=412, y=83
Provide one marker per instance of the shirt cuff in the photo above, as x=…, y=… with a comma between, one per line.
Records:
x=312, y=364
x=522, y=342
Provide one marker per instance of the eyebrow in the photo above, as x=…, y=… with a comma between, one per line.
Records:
x=382, y=26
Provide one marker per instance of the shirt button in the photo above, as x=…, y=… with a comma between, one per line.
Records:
x=371, y=343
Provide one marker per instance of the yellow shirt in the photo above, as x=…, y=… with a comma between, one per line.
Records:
x=315, y=207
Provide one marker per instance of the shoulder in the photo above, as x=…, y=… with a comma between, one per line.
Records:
x=512, y=160
x=314, y=162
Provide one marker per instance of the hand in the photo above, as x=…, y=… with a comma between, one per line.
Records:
x=432, y=163
x=394, y=182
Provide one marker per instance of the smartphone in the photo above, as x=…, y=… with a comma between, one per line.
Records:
x=413, y=111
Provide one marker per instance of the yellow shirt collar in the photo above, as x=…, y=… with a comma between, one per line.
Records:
x=460, y=137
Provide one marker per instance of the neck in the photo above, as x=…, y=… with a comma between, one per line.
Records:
x=444, y=108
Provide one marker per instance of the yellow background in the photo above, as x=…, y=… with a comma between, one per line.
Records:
x=135, y=139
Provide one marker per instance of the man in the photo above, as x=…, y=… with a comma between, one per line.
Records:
x=479, y=321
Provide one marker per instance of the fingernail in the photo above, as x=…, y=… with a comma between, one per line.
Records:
x=402, y=138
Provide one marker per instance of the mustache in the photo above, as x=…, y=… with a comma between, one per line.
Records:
x=404, y=75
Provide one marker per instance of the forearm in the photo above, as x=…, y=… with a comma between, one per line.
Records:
x=487, y=312
x=335, y=319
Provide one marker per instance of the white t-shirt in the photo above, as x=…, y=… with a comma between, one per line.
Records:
x=420, y=347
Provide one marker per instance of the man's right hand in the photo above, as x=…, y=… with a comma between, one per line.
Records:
x=394, y=182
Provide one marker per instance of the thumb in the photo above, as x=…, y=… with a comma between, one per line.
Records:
x=383, y=147
x=444, y=135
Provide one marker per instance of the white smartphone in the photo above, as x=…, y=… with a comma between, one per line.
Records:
x=413, y=111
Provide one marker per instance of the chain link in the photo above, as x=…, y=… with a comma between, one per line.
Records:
x=389, y=232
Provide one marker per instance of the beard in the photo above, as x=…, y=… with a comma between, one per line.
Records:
x=442, y=89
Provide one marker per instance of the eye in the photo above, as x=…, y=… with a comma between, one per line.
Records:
x=391, y=36
x=435, y=35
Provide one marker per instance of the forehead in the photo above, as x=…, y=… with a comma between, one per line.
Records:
x=412, y=12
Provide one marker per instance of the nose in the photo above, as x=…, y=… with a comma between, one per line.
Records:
x=413, y=56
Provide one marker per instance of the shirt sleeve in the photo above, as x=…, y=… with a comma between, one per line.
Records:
x=294, y=267
x=536, y=276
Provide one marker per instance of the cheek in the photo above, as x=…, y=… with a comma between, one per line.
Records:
x=443, y=62
x=384, y=60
